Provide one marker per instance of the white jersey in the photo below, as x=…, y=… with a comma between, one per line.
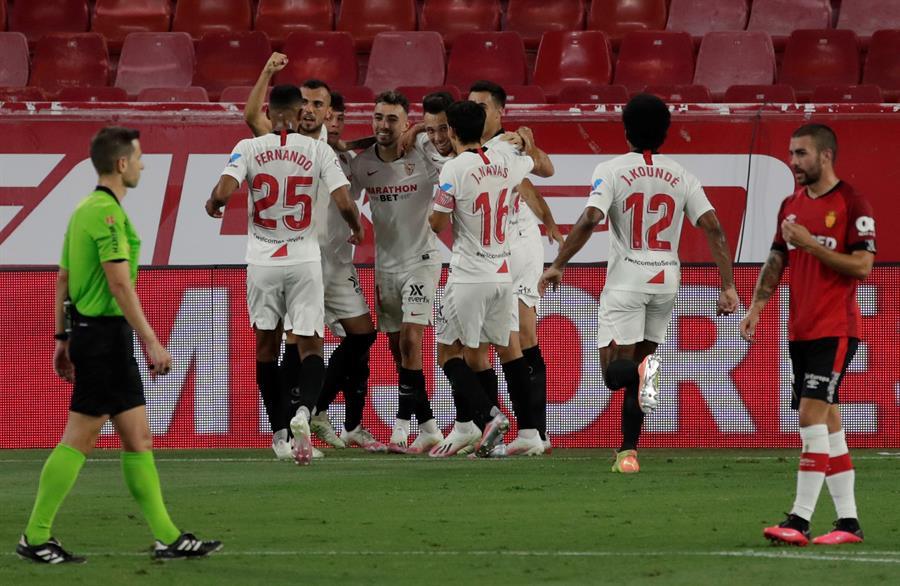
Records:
x=429, y=152
x=522, y=221
x=400, y=195
x=284, y=175
x=645, y=200
x=334, y=233
x=477, y=187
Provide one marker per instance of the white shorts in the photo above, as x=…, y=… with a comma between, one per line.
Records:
x=526, y=262
x=291, y=293
x=476, y=313
x=343, y=294
x=405, y=297
x=629, y=317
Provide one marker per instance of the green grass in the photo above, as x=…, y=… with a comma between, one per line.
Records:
x=690, y=517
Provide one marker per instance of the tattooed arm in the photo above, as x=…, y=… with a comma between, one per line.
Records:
x=768, y=280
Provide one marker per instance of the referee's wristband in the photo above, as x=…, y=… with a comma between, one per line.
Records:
x=61, y=336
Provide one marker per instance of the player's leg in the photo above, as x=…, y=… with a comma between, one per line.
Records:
x=519, y=387
x=528, y=341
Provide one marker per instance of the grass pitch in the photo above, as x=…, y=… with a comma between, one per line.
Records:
x=689, y=517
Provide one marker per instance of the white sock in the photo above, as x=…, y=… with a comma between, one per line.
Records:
x=528, y=434
x=429, y=426
x=813, y=465
x=841, y=476
x=402, y=424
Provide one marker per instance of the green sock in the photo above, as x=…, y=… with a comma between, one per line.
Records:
x=57, y=478
x=143, y=482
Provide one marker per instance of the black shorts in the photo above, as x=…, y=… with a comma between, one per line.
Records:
x=818, y=367
x=107, y=379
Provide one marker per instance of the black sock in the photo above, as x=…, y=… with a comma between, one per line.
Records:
x=406, y=399
x=538, y=402
x=488, y=381
x=423, y=405
x=312, y=373
x=518, y=385
x=356, y=386
x=354, y=404
x=335, y=377
x=289, y=374
x=624, y=373
x=468, y=396
x=269, y=389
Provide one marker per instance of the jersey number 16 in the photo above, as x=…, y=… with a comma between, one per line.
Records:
x=483, y=205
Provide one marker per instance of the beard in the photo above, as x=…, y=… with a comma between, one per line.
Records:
x=808, y=177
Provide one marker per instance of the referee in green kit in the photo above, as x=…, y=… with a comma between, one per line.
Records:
x=96, y=275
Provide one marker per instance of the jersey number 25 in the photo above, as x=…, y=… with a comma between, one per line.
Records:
x=293, y=197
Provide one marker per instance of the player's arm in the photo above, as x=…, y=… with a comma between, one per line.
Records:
x=408, y=138
x=578, y=237
x=543, y=166
x=857, y=264
x=347, y=207
x=355, y=145
x=258, y=122
x=536, y=202
x=61, y=363
x=118, y=277
x=766, y=283
x=718, y=247
x=222, y=192
x=439, y=221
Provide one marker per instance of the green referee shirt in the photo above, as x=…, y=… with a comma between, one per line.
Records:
x=99, y=231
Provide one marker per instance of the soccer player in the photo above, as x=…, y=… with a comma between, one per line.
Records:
x=407, y=264
x=284, y=274
x=431, y=136
x=478, y=307
x=526, y=264
x=826, y=232
x=346, y=311
x=646, y=196
x=95, y=350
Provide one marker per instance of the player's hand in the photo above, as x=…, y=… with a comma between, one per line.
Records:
x=276, y=63
x=213, y=208
x=160, y=359
x=554, y=235
x=748, y=326
x=728, y=301
x=515, y=139
x=406, y=141
x=357, y=237
x=552, y=277
x=527, y=137
x=62, y=364
x=796, y=235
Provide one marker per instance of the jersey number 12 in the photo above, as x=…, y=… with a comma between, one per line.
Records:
x=662, y=204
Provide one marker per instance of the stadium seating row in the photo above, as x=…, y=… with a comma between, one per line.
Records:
x=364, y=19
x=812, y=58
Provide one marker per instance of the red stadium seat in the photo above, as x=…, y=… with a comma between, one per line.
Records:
x=780, y=17
x=525, y=94
x=533, y=18
x=198, y=17
x=820, y=57
x=697, y=94
x=882, y=64
x=571, y=58
x=618, y=17
x=92, y=94
x=366, y=18
x=22, y=94
x=13, y=60
x=730, y=58
x=279, y=18
x=655, y=58
x=855, y=94
x=356, y=94
x=328, y=56
x=699, y=17
x=593, y=94
x=2, y=16
x=864, y=17
x=416, y=93
x=70, y=60
x=173, y=94
x=36, y=18
x=237, y=93
x=155, y=60
x=115, y=19
x=453, y=17
x=225, y=59
x=760, y=94
x=405, y=58
x=498, y=57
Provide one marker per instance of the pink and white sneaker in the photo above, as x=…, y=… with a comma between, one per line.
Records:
x=462, y=436
x=302, y=448
x=493, y=435
x=363, y=438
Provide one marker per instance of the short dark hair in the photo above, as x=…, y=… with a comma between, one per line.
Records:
x=646, y=119
x=497, y=92
x=314, y=84
x=111, y=144
x=284, y=96
x=337, y=102
x=466, y=118
x=822, y=135
x=394, y=98
x=437, y=102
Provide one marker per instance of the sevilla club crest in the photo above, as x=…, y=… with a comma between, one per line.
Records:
x=410, y=168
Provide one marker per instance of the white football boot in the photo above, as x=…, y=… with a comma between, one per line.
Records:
x=303, y=450
x=493, y=435
x=281, y=445
x=363, y=438
x=463, y=435
x=322, y=428
x=316, y=452
x=528, y=443
x=649, y=384
x=399, y=441
x=429, y=436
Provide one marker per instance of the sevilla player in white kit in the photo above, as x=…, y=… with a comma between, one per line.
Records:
x=478, y=307
x=646, y=196
x=284, y=274
x=407, y=264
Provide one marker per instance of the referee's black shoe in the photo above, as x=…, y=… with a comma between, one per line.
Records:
x=186, y=546
x=51, y=552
